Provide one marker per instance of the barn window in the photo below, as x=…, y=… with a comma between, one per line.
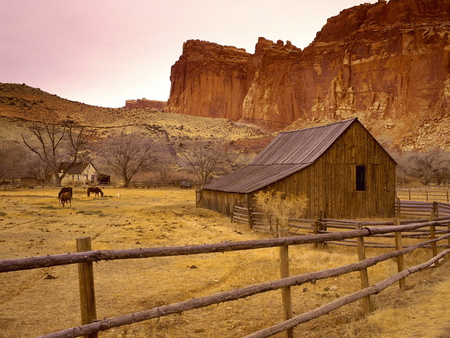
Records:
x=360, y=178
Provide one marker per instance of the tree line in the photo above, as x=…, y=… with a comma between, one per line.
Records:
x=125, y=154
x=129, y=155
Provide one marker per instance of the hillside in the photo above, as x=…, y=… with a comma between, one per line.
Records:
x=21, y=104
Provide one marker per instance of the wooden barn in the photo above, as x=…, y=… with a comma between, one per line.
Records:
x=340, y=167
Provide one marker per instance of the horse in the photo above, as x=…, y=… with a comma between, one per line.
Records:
x=94, y=190
x=63, y=190
x=65, y=198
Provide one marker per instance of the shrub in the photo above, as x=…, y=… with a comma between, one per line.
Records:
x=279, y=208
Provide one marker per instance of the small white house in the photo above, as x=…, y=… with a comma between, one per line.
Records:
x=82, y=173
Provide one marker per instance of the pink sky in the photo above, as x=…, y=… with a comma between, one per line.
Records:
x=103, y=52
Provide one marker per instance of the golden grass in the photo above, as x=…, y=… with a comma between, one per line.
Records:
x=34, y=302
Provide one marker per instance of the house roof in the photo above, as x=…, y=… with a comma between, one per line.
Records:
x=288, y=153
x=78, y=168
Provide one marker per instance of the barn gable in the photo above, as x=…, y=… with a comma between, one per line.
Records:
x=324, y=163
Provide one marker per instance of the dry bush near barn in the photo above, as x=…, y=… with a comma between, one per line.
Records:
x=39, y=301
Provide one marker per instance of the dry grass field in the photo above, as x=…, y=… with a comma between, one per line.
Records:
x=40, y=301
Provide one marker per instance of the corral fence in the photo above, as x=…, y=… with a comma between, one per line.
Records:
x=421, y=208
x=300, y=227
x=423, y=194
x=434, y=235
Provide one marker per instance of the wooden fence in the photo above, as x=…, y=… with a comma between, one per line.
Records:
x=423, y=194
x=259, y=222
x=423, y=209
x=90, y=325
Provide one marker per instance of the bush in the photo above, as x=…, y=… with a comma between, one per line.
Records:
x=279, y=208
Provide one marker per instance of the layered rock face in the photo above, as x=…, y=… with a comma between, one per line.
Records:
x=385, y=60
x=209, y=80
x=144, y=103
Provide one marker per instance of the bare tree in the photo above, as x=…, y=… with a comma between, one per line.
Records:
x=208, y=158
x=79, y=142
x=430, y=166
x=166, y=159
x=13, y=160
x=54, y=143
x=127, y=154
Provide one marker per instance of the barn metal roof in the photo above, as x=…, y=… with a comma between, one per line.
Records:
x=253, y=177
x=288, y=153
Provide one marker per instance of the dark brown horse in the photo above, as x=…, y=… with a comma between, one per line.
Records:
x=94, y=190
x=63, y=190
x=65, y=198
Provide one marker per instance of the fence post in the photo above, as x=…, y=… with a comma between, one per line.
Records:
x=198, y=196
x=433, y=236
x=400, y=261
x=448, y=227
x=86, y=282
x=285, y=291
x=249, y=211
x=435, y=211
x=409, y=191
x=316, y=230
x=363, y=273
x=322, y=229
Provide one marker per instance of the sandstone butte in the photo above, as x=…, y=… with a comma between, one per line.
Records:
x=388, y=60
x=144, y=103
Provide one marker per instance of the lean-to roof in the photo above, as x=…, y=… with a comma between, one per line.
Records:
x=288, y=153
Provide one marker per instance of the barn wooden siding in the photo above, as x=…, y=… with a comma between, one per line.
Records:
x=330, y=182
x=223, y=202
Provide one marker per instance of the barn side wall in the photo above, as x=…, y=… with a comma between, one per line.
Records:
x=330, y=183
x=221, y=201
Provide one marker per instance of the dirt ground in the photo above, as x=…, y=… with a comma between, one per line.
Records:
x=41, y=301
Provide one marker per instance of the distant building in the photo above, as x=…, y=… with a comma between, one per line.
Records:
x=82, y=173
x=28, y=182
x=341, y=168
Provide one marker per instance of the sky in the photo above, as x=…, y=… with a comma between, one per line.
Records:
x=104, y=52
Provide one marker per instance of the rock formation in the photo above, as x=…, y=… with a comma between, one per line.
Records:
x=144, y=103
x=375, y=61
x=209, y=80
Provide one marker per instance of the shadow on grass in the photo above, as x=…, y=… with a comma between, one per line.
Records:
x=91, y=212
x=51, y=207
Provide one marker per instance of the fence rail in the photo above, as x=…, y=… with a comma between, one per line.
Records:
x=364, y=230
x=426, y=194
x=424, y=209
x=301, y=227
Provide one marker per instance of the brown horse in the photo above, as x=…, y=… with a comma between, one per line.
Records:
x=95, y=191
x=65, y=198
x=63, y=190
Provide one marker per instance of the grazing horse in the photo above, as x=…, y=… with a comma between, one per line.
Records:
x=66, y=198
x=63, y=190
x=95, y=191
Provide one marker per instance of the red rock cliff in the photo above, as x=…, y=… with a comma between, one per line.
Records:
x=383, y=60
x=209, y=80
